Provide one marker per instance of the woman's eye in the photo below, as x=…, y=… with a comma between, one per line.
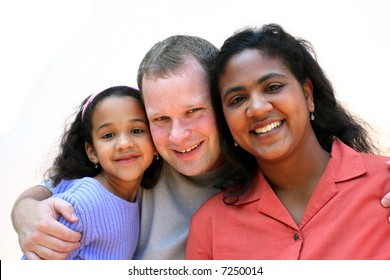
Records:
x=273, y=88
x=237, y=100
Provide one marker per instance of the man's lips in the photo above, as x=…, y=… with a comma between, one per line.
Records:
x=189, y=149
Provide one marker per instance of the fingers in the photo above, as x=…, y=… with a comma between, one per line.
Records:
x=65, y=209
x=56, y=229
x=58, y=236
x=386, y=200
x=47, y=224
x=31, y=256
x=44, y=253
x=51, y=241
x=43, y=237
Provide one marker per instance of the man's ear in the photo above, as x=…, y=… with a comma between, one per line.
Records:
x=91, y=153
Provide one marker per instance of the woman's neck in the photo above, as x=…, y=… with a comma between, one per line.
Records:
x=295, y=178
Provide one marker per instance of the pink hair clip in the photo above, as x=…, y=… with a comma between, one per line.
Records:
x=89, y=101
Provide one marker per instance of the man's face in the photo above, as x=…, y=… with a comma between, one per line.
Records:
x=181, y=119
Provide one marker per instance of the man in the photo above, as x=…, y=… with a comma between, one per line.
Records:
x=174, y=78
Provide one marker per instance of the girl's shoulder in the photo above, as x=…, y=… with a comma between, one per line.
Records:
x=73, y=184
x=84, y=190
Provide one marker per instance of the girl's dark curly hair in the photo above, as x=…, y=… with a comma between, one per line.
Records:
x=72, y=161
x=331, y=119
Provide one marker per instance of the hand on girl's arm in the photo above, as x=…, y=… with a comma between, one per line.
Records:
x=41, y=236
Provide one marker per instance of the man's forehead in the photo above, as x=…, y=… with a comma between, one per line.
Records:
x=187, y=63
x=160, y=104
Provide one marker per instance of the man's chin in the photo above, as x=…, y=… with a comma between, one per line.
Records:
x=189, y=169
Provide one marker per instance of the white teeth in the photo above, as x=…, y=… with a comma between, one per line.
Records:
x=268, y=127
x=188, y=150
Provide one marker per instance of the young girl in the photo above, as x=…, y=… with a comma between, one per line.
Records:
x=105, y=155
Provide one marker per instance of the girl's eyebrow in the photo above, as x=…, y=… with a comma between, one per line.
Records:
x=102, y=126
x=130, y=120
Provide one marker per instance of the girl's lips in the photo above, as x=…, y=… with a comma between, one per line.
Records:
x=126, y=157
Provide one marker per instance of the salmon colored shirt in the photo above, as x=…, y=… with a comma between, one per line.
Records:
x=344, y=218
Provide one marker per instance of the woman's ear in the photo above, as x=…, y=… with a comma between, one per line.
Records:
x=308, y=91
x=91, y=153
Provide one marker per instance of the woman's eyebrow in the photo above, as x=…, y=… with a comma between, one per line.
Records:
x=259, y=81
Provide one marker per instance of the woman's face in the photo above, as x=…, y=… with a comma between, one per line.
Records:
x=266, y=108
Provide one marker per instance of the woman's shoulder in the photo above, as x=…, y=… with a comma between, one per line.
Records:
x=212, y=206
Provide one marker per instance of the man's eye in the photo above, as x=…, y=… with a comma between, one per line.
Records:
x=194, y=110
x=159, y=119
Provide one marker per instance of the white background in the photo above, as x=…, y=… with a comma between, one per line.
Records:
x=55, y=53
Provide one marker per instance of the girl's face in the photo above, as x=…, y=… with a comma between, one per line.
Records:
x=122, y=144
x=266, y=108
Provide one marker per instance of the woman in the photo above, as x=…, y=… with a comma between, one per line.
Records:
x=311, y=184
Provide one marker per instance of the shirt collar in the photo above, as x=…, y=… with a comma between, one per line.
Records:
x=346, y=164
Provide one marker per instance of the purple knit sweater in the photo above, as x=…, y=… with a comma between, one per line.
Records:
x=109, y=224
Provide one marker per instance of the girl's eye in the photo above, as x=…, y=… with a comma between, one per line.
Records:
x=108, y=135
x=137, y=131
